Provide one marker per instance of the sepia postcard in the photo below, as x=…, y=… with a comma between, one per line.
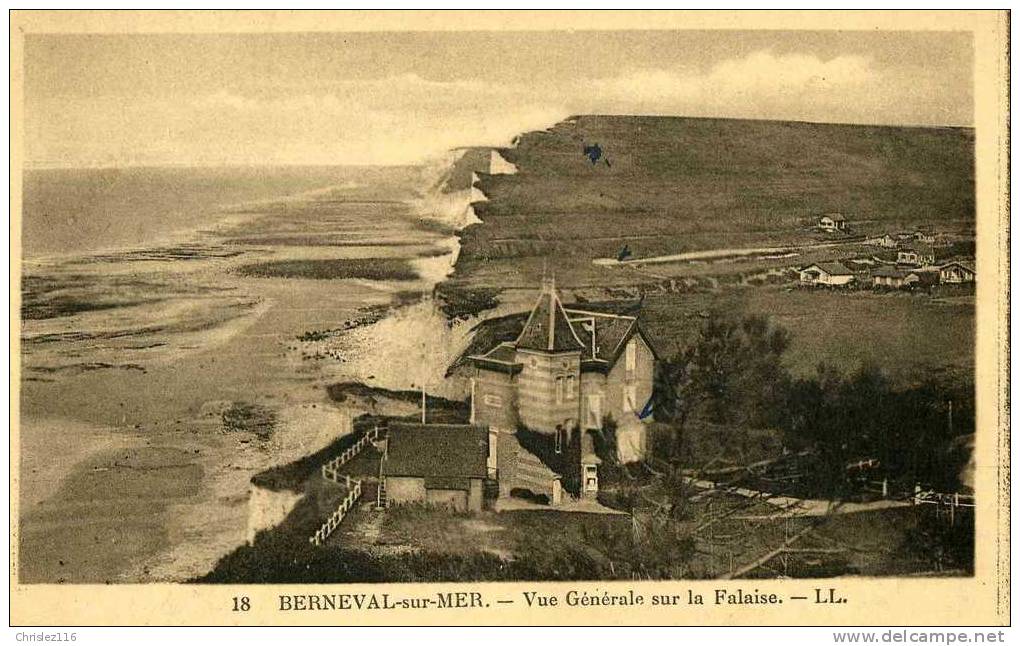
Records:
x=459, y=318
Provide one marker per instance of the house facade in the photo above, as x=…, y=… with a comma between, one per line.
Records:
x=567, y=374
x=435, y=464
x=890, y=277
x=832, y=222
x=956, y=272
x=897, y=278
x=830, y=274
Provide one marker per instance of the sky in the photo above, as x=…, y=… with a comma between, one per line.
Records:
x=398, y=98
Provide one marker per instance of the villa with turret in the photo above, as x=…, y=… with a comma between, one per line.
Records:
x=571, y=378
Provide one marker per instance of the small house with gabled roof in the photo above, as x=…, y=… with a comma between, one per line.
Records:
x=566, y=375
x=435, y=464
x=830, y=274
x=956, y=272
x=832, y=222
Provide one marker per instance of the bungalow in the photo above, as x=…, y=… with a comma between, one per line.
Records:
x=925, y=234
x=956, y=272
x=437, y=464
x=543, y=396
x=887, y=241
x=826, y=273
x=897, y=278
x=832, y=222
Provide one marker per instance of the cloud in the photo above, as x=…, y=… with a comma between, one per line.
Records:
x=398, y=119
x=403, y=118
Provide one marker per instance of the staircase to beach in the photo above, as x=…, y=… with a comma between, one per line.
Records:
x=532, y=474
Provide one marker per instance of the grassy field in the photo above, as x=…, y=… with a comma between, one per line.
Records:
x=367, y=268
x=680, y=184
x=908, y=335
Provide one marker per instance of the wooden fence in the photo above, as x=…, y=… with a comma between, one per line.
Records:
x=945, y=503
x=331, y=470
x=327, y=528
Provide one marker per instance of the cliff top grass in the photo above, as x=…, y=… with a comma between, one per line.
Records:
x=673, y=184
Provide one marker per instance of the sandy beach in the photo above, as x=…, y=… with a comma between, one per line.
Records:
x=123, y=436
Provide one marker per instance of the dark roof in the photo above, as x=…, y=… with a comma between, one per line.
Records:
x=547, y=327
x=835, y=217
x=611, y=333
x=436, y=451
x=502, y=358
x=571, y=331
x=889, y=272
x=959, y=264
x=922, y=248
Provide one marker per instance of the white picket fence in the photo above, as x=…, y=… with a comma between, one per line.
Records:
x=943, y=499
x=331, y=470
x=320, y=536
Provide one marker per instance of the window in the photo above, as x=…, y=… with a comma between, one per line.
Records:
x=571, y=387
x=559, y=439
x=559, y=389
x=491, y=462
x=631, y=356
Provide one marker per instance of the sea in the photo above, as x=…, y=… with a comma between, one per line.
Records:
x=123, y=264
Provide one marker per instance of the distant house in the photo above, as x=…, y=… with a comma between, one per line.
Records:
x=956, y=272
x=898, y=278
x=889, y=277
x=918, y=254
x=437, y=464
x=832, y=222
x=925, y=234
x=832, y=274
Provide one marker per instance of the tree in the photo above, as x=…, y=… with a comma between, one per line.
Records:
x=731, y=373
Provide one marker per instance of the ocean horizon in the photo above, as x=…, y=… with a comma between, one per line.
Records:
x=72, y=211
